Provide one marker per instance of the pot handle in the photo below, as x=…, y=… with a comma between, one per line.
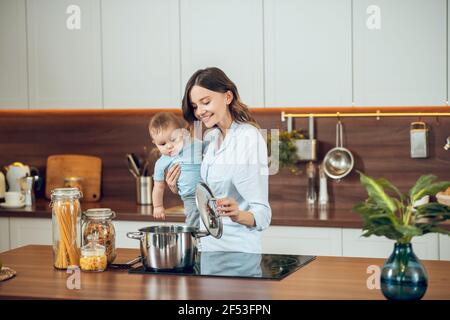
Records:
x=135, y=235
x=200, y=234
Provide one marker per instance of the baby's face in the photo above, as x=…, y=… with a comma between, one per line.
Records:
x=169, y=141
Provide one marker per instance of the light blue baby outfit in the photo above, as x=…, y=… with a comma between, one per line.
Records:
x=190, y=160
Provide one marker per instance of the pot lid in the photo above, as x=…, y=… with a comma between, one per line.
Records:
x=206, y=204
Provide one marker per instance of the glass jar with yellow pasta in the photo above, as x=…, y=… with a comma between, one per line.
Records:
x=93, y=256
x=66, y=220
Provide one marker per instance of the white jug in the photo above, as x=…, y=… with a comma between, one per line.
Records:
x=14, y=172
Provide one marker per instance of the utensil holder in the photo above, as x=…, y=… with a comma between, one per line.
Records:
x=306, y=149
x=144, y=187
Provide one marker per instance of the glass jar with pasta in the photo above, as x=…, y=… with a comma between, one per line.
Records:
x=98, y=222
x=66, y=220
x=93, y=257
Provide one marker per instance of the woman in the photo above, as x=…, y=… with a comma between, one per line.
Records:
x=234, y=164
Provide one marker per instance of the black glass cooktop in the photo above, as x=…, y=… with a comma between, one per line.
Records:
x=238, y=265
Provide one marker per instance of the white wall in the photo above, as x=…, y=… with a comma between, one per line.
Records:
x=140, y=53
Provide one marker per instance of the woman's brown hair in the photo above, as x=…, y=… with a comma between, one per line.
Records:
x=216, y=80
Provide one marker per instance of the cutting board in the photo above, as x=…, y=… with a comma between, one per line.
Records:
x=69, y=165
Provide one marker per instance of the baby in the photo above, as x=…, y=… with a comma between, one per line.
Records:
x=170, y=135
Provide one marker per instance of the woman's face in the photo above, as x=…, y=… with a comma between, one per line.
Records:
x=210, y=107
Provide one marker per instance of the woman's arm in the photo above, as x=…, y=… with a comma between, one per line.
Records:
x=250, y=177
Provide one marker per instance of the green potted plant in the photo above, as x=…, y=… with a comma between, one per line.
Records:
x=389, y=213
x=288, y=156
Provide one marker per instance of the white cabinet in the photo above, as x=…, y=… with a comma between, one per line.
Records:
x=354, y=245
x=64, y=61
x=308, y=53
x=227, y=34
x=27, y=231
x=399, y=52
x=4, y=234
x=141, y=53
x=302, y=240
x=444, y=247
x=13, y=55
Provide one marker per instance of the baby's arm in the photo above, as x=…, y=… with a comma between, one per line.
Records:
x=158, y=195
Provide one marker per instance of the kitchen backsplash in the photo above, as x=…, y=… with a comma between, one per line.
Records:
x=380, y=147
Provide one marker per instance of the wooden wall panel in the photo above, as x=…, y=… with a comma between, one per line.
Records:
x=381, y=147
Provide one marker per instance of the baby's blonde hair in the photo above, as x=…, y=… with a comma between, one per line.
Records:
x=162, y=120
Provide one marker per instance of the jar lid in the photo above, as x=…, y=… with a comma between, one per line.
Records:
x=66, y=193
x=96, y=251
x=93, y=248
x=99, y=213
x=206, y=204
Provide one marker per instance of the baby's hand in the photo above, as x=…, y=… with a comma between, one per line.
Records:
x=158, y=212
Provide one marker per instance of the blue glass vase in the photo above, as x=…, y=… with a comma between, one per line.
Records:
x=403, y=276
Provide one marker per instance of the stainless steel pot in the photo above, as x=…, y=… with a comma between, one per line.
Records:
x=175, y=247
x=167, y=247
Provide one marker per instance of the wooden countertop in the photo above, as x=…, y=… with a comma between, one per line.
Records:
x=324, y=278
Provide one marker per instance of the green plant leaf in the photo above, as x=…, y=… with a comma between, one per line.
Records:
x=384, y=218
x=421, y=183
x=386, y=230
x=409, y=231
x=426, y=228
x=430, y=190
x=433, y=209
x=386, y=184
x=387, y=216
x=377, y=194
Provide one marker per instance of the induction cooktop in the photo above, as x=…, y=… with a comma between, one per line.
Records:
x=238, y=265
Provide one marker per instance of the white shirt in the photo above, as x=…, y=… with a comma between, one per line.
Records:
x=238, y=169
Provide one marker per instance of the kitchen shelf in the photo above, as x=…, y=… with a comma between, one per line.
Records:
x=376, y=114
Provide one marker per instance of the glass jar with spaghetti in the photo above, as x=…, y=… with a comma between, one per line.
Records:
x=66, y=220
x=97, y=222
